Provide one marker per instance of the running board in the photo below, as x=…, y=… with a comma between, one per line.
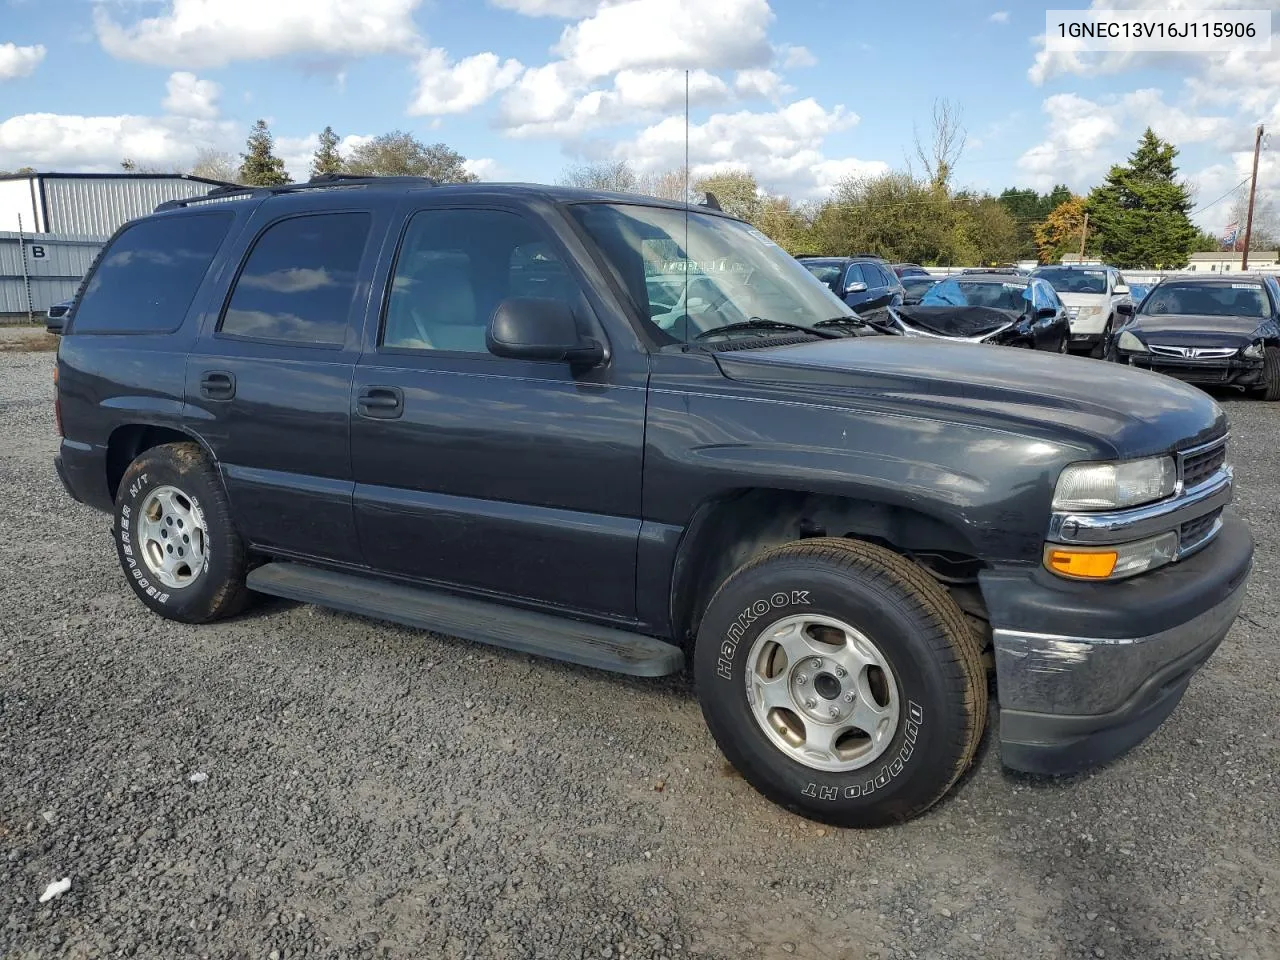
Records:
x=544, y=635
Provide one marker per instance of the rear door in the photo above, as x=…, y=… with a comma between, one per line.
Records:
x=513, y=477
x=269, y=381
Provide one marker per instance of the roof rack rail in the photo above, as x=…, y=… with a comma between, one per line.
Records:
x=321, y=182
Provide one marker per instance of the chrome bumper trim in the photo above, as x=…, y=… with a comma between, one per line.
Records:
x=1141, y=522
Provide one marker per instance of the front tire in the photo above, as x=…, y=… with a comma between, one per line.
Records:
x=1270, y=388
x=842, y=681
x=177, y=545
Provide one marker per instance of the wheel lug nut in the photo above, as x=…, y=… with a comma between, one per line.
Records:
x=834, y=711
x=817, y=663
x=841, y=672
x=811, y=703
x=848, y=697
x=802, y=679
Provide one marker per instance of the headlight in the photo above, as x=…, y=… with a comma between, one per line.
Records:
x=1131, y=343
x=1114, y=485
x=1113, y=562
x=1085, y=312
x=1254, y=351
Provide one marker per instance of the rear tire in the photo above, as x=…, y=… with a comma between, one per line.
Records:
x=842, y=681
x=177, y=545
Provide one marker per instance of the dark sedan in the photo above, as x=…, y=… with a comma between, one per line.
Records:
x=1212, y=331
x=1001, y=309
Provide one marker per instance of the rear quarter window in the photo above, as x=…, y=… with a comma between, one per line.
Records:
x=148, y=276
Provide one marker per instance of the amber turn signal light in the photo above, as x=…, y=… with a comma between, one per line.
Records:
x=1083, y=564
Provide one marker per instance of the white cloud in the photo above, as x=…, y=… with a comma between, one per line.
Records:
x=550, y=8
x=16, y=61
x=189, y=96
x=549, y=100
x=715, y=34
x=1213, y=210
x=764, y=84
x=1087, y=136
x=1000, y=16
x=782, y=148
x=486, y=168
x=792, y=57
x=75, y=143
x=211, y=33
x=445, y=87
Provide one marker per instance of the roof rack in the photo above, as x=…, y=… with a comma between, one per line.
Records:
x=322, y=182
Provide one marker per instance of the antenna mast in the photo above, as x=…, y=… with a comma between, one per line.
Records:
x=686, y=204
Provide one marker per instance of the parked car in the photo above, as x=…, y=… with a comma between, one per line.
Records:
x=904, y=270
x=862, y=282
x=915, y=287
x=1222, y=330
x=990, y=308
x=1015, y=271
x=1092, y=295
x=56, y=317
x=360, y=398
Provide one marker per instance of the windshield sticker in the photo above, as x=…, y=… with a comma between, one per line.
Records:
x=1094, y=273
x=760, y=236
x=1013, y=286
x=1246, y=286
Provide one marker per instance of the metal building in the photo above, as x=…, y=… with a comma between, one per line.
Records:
x=52, y=225
x=89, y=204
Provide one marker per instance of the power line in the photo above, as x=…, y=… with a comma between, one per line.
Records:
x=1221, y=198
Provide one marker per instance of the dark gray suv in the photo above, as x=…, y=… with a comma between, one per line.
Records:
x=863, y=282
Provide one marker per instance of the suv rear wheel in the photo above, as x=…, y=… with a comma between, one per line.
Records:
x=174, y=536
x=842, y=681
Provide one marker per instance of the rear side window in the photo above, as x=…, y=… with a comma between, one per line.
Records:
x=298, y=281
x=149, y=275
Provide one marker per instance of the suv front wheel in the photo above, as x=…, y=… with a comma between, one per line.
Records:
x=842, y=681
x=174, y=536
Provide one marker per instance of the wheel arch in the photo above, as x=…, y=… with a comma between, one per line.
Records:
x=128, y=441
x=730, y=528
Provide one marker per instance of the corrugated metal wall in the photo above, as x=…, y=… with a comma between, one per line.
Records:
x=96, y=207
x=54, y=265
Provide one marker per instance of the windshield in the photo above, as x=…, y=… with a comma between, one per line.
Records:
x=1208, y=300
x=735, y=273
x=1075, y=281
x=917, y=285
x=1006, y=295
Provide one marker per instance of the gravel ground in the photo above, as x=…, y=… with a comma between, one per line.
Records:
x=370, y=791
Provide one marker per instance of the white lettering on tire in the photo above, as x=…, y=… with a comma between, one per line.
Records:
x=754, y=611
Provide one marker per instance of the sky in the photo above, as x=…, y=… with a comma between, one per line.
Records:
x=803, y=93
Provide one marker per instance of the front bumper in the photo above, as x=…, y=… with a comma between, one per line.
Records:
x=1231, y=372
x=1087, y=671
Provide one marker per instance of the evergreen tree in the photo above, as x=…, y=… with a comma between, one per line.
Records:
x=327, y=160
x=261, y=167
x=1139, y=215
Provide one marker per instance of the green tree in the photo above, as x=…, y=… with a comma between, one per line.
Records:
x=1206, y=242
x=1028, y=209
x=983, y=231
x=735, y=190
x=261, y=167
x=400, y=154
x=1139, y=215
x=784, y=224
x=1059, y=233
x=327, y=160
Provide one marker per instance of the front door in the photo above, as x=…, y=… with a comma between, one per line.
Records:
x=490, y=474
x=269, y=383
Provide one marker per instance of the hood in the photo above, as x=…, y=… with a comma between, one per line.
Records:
x=1107, y=409
x=1190, y=329
x=956, y=321
x=1084, y=299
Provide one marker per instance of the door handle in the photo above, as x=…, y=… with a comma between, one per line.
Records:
x=381, y=403
x=217, y=385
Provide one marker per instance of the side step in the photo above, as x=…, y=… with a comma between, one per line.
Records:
x=538, y=633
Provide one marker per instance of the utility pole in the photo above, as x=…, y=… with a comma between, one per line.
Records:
x=1253, y=189
x=1084, y=232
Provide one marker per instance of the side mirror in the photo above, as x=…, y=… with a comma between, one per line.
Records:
x=856, y=287
x=530, y=328
x=55, y=324
x=1046, y=313
x=1125, y=309
x=1120, y=290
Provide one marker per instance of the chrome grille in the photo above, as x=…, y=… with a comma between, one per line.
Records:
x=1199, y=464
x=1192, y=353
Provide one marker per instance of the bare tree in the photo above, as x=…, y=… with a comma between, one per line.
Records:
x=668, y=185
x=940, y=157
x=615, y=175
x=1266, y=222
x=216, y=165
